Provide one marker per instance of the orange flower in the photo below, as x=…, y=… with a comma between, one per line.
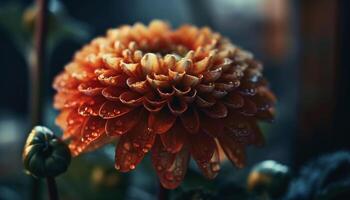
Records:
x=175, y=93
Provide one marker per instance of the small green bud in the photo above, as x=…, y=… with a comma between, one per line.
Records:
x=44, y=154
x=269, y=178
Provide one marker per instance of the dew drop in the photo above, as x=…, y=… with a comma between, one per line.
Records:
x=127, y=146
x=159, y=168
x=136, y=145
x=119, y=132
x=215, y=167
x=169, y=176
x=95, y=134
x=132, y=166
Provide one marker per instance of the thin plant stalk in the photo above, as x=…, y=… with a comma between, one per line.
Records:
x=37, y=62
x=52, y=188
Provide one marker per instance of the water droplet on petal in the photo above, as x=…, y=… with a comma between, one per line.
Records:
x=127, y=146
x=159, y=168
x=215, y=167
x=136, y=145
x=169, y=176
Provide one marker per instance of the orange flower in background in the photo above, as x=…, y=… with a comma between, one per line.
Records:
x=174, y=93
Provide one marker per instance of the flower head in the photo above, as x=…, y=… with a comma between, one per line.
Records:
x=177, y=93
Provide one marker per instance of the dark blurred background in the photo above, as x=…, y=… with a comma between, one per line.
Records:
x=304, y=45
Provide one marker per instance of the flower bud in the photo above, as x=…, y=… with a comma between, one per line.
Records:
x=269, y=178
x=44, y=154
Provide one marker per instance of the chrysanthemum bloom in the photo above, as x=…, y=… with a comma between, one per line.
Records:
x=175, y=93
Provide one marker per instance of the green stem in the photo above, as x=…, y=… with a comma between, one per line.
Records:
x=37, y=77
x=52, y=188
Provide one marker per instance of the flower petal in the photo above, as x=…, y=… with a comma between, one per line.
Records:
x=74, y=121
x=219, y=110
x=161, y=158
x=212, y=76
x=79, y=72
x=65, y=83
x=113, y=93
x=205, y=88
x=165, y=92
x=121, y=125
x=131, y=98
x=234, y=100
x=205, y=152
x=205, y=101
x=175, y=76
x=174, y=139
x=218, y=94
x=248, y=88
x=180, y=91
x=150, y=63
x=191, y=96
x=202, y=147
x=224, y=86
x=153, y=103
x=211, y=169
x=249, y=108
x=160, y=122
x=177, y=106
x=190, y=120
x=211, y=126
x=74, y=100
x=111, y=78
x=157, y=83
x=133, y=146
x=264, y=99
x=171, y=171
x=267, y=115
x=112, y=109
x=183, y=65
x=138, y=86
x=202, y=65
x=100, y=142
x=191, y=81
x=91, y=88
x=61, y=119
x=226, y=63
x=131, y=69
x=91, y=107
x=233, y=150
x=92, y=129
x=243, y=129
